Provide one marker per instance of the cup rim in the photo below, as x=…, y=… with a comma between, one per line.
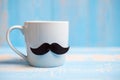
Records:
x=46, y=21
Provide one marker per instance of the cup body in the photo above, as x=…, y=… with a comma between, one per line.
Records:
x=38, y=32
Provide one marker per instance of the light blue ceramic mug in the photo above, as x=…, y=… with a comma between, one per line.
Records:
x=46, y=42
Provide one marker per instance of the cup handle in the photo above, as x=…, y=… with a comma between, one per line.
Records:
x=11, y=45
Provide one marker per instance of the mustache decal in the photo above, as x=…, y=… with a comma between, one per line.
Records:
x=54, y=47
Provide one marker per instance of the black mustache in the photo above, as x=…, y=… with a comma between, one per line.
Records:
x=54, y=47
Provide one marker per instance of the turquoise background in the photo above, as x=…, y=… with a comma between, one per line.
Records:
x=93, y=23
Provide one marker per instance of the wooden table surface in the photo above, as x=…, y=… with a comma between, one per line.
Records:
x=81, y=64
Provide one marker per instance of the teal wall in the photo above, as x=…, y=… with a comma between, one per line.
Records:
x=93, y=23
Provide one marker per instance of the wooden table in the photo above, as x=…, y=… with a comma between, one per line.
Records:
x=81, y=64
